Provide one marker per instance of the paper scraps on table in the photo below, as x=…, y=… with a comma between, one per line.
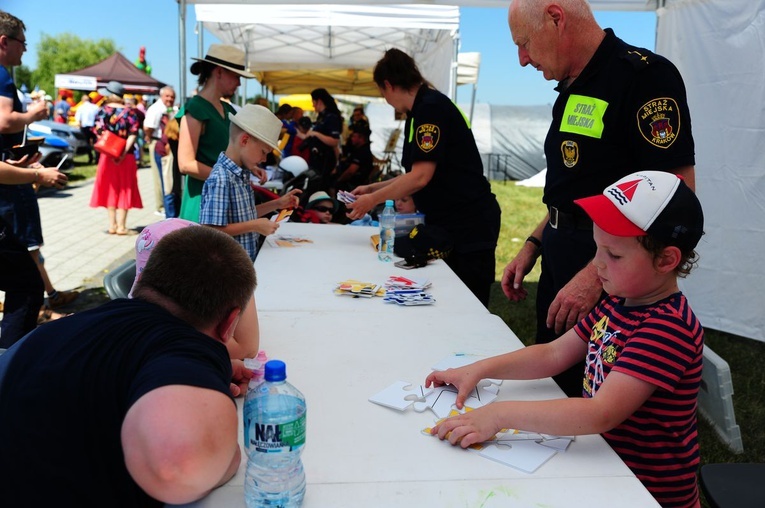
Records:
x=278, y=240
x=358, y=289
x=407, y=291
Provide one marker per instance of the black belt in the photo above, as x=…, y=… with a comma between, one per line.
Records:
x=563, y=220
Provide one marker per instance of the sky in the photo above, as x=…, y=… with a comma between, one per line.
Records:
x=154, y=24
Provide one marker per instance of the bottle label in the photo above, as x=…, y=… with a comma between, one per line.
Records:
x=278, y=437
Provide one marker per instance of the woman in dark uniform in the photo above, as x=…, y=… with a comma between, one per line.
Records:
x=324, y=136
x=444, y=172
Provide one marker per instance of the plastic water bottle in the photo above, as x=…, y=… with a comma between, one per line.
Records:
x=387, y=232
x=274, y=430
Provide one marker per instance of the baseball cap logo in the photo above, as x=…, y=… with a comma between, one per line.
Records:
x=624, y=192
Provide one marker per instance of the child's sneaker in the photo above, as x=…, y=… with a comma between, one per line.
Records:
x=61, y=298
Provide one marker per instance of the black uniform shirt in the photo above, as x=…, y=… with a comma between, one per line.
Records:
x=626, y=111
x=458, y=197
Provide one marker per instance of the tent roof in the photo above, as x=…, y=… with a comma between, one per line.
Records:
x=119, y=68
x=296, y=48
x=613, y=5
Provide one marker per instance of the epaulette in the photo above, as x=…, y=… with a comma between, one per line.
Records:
x=638, y=57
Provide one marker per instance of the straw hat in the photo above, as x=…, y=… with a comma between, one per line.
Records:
x=228, y=57
x=258, y=122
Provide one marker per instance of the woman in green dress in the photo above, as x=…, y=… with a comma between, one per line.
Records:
x=204, y=121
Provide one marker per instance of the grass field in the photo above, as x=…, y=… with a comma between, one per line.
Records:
x=522, y=210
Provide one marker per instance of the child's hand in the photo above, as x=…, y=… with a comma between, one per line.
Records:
x=260, y=174
x=265, y=226
x=240, y=378
x=289, y=200
x=464, y=379
x=469, y=428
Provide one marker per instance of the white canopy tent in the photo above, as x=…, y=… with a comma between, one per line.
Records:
x=718, y=47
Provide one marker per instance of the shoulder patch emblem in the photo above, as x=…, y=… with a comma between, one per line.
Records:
x=427, y=136
x=659, y=121
x=570, y=152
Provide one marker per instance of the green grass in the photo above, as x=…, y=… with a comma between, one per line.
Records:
x=522, y=210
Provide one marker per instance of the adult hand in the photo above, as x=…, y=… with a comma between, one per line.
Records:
x=266, y=226
x=575, y=300
x=361, y=206
x=289, y=200
x=361, y=190
x=260, y=174
x=26, y=161
x=469, y=428
x=38, y=110
x=51, y=177
x=240, y=378
x=464, y=379
x=516, y=270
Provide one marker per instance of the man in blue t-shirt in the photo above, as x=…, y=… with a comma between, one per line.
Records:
x=108, y=407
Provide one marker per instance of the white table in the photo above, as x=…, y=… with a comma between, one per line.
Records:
x=303, y=277
x=359, y=454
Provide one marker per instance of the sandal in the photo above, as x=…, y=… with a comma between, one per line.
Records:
x=111, y=231
x=122, y=231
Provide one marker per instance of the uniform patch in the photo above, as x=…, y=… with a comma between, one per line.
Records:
x=570, y=152
x=659, y=121
x=427, y=136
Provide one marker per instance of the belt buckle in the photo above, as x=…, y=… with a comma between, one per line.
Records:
x=553, y=217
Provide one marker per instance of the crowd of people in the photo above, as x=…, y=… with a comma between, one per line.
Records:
x=613, y=327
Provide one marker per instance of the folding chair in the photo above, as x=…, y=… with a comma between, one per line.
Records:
x=733, y=485
x=119, y=281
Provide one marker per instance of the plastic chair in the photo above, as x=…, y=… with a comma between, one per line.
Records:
x=733, y=485
x=119, y=281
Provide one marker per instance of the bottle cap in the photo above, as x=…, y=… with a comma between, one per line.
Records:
x=389, y=202
x=276, y=370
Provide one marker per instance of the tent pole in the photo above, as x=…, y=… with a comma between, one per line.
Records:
x=455, y=58
x=182, y=49
x=472, y=103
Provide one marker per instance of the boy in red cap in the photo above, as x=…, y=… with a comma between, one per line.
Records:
x=642, y=343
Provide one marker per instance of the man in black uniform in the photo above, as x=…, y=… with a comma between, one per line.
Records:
x=621, y=109
x=444, y=172
x=355, y=167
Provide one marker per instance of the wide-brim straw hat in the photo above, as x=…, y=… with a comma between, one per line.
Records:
x=258, y=122
x=228, y=57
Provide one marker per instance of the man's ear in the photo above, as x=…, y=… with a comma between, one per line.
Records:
x=225, y=329
x=668, y=260
x=556, y=14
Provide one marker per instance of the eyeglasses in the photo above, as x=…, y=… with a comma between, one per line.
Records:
x=323, y=209
x=23, y=43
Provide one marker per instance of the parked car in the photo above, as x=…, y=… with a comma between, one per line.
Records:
x=53, y=149
x=72, y=135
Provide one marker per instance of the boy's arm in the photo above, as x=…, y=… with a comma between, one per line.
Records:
x=261, y=226
x=533, y=362
x=618, y=397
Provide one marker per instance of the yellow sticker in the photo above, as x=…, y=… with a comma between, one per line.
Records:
x=584, y=115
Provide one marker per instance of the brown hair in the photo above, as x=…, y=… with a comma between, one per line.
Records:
x=201, y=270
x=398, y=69
x=688, y=258
x=10, y=25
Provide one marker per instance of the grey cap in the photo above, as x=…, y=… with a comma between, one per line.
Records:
x=112, y=88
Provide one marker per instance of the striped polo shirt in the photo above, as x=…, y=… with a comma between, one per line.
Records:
x=661, y=344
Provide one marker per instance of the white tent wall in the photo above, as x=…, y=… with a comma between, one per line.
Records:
x=333, y=44
x=719, y=47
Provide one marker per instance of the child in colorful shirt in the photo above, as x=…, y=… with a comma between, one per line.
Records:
x=643, y=345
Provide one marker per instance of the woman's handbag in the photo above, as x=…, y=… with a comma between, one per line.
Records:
x=110, y=144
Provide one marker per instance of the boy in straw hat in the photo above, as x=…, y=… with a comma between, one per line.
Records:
x=642, y=345
x=228, y=200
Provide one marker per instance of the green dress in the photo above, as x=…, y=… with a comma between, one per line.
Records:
x=212, y=141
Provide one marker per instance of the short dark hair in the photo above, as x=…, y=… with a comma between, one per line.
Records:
x=688, y=256
x=203, y=271
x=10, y=25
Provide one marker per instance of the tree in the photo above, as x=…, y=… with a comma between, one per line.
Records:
x=22, y=75
x=66, y=53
